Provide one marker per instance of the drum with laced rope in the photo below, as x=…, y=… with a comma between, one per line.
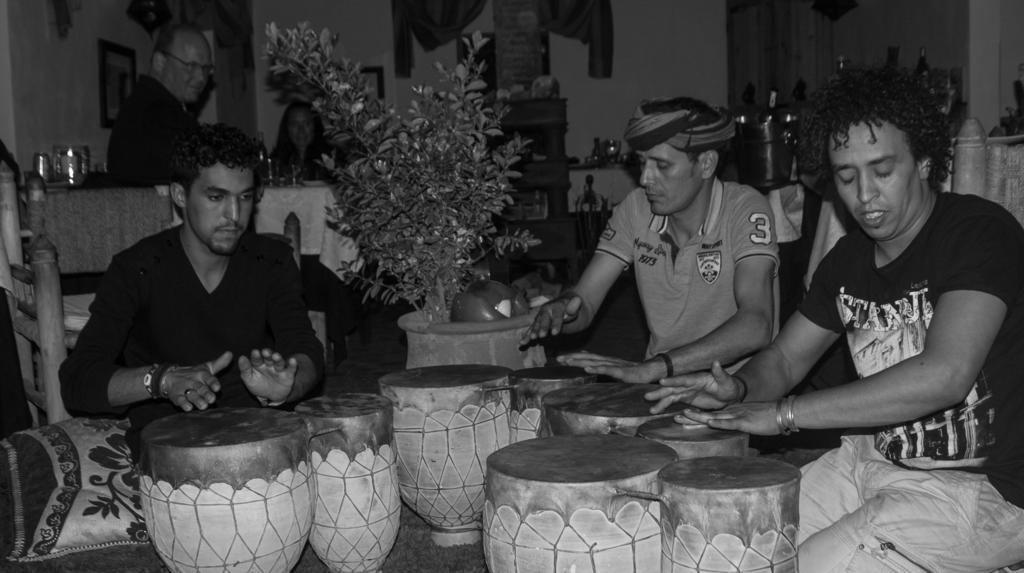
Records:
x=447, y=420
x=695, y=440
x=602, y=408
x=529, y=386
x=555, y=504
x=358, y=506
x=729, y=513
x=228, y=489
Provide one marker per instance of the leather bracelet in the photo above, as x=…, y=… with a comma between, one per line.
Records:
x=779, y=419
x=147, y=382
x=788, y=417
x=158, y=378
x=671, y=370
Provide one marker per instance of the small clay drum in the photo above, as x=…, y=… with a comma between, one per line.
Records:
x=358, y=507
x=529, y=385
x=556, y=504
x=729, y=514
x=229, y=489
x=602, y=408
x=695, y=440
x=447, y=420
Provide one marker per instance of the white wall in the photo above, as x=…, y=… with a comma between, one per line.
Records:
x=55, y=81
x=662, y=48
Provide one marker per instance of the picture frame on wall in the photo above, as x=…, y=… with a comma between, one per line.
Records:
x=375, y=79
x=117, y=79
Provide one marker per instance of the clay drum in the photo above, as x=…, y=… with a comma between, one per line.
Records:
x=602, y=408
x=729, y=514
x=229, y=489
x=554, y=504
x=358, y=506
x=695, y=440
x=529, y=385
x=447, y=420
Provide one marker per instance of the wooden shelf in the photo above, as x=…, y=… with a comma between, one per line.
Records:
x=543, y=121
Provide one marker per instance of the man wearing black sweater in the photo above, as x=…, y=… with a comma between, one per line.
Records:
x=173, y=311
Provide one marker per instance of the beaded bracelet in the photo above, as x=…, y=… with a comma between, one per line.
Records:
x=153, y=380
x=668, y=365
x=160, y=377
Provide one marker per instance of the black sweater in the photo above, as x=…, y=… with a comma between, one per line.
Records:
x=151, y=307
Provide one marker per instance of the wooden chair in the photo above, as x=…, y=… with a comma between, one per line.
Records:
x=33, y=294
x=38, y=316
x=293, y=236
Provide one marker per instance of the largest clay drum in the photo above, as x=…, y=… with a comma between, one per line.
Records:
x=447, y=420
x=227, y=489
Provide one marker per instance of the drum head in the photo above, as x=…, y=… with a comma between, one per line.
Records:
x=551, y=374
x=230, y=445
x=348, y=422
x=728, y=473
x=351, y=405
x=576, y=459
x=667, y=429
x=607, y=399
x=445, y=376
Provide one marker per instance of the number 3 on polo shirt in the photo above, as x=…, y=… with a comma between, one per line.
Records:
x=762, y=234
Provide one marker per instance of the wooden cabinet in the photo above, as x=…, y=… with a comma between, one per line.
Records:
x=545, y=170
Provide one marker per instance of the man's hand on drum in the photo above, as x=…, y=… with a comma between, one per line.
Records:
x=268, y=375
x=618, y=368
x=189, y=387
x=552, y=316
x=710, y=390
x=751, y=417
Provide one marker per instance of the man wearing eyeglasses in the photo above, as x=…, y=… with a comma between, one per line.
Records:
x=140, y=145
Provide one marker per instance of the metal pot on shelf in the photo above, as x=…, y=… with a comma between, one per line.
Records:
x=765, y=148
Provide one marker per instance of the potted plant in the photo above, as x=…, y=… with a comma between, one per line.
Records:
x=418, y=191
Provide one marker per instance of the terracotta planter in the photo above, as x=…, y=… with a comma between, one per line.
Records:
x=493, y=342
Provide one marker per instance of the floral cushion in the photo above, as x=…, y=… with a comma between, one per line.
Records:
x=69, y=487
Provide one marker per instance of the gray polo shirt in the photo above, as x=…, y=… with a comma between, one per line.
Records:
x=686, y=298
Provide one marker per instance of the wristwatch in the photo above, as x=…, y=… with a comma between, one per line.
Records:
x=148, y=382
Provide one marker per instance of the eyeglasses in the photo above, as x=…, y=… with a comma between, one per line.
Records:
x=192, y=67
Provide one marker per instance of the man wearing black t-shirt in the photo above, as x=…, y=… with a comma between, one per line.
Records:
x=200, y=315
x=930, y=296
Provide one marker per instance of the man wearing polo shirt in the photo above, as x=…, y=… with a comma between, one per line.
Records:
x=703, y=252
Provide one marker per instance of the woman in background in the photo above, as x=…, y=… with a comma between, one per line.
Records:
x=301, y=143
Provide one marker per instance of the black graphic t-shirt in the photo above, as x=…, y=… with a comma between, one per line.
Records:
x=967, y=243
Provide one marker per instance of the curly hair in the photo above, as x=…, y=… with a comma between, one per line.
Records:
x=875, y=96
x=210, y=144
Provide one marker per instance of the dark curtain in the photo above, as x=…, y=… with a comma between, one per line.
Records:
x=433, y=23
x=589, y=21
x=14, y=413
